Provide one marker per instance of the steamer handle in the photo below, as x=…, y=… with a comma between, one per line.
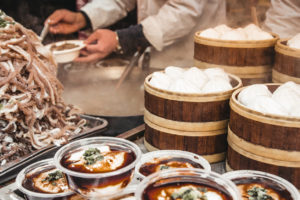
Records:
x=254, y=12
x=132, y=134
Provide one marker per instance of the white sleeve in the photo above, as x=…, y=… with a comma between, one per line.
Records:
x=103, y=13
x=175, y=19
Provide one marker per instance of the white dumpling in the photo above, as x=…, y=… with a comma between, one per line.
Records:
x=295, y=45
x=160, y=80
x=216, y=84
x=292, y=85
x=174, y=72
x=247, y=95
x=295, y=111
x=288, y=96
x=195, y=76
x=267, y=105
x=235, y=34
x=264, y=36
x=294, y=42
x=252, y=28
x=183, y=86
x=210, y=33
x=222, y=28
x=212, y=73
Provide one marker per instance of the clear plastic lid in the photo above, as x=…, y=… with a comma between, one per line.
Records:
x=108, y=141
x=254, y=175
x=165, y=154
x=36, y=167
x=197, y=176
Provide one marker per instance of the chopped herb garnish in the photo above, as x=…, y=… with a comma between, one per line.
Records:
x=53, y=176
x=92, y=155
x=258, y=193
x=4, y=22
x=202, y=189
x=163, y=167
x=189, y=194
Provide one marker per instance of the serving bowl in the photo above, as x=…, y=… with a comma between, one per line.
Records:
x=105, y=174
x=175, y=183
x=272, y=184
x=66, y=55
x=154, y=161
x=29, y=186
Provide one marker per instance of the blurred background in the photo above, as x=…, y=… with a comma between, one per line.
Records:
x=32, y=13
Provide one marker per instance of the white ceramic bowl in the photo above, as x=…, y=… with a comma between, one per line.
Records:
x=67, y=55
x=167, y=154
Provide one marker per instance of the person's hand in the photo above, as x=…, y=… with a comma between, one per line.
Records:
x=65, y=22
x=99, y=45
x=253, y=2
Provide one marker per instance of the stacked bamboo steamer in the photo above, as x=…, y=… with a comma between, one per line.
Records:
x=190, y=122
x=263, y=142
x=251, y=60
x=287, y=63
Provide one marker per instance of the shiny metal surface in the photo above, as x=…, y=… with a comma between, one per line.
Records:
x=92, y=87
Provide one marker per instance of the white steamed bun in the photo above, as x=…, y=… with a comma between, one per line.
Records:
x=222, y=28
x=183, y=86
x=295, y=111
x=235, y=34
x=288, y=95
x=195, y=76
x=294, y=42
x=210, y=33
x=267, y=105
x=217, y=84
x=252, y=28
x=212, y=73
x=174, y=72
x=250, y=93
x=160, y=80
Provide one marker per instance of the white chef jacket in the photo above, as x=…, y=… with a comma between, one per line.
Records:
x=169, y=25
x=283, y=18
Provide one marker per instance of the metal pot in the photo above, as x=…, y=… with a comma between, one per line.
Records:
x=92, y=87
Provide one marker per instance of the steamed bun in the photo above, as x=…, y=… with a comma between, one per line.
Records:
x=250, y=93
x=212, y=73
x=160, y=80
x=288, y=96
x=222, y=28
x=251, y=28
x=294, y=42
x=183, y=86
x=195, y=76
x=174, y=72
x=210, y=33
x=267, y=105
x=235, y=34
x=217, y=84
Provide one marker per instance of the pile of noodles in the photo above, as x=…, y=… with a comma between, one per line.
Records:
x=32, y=112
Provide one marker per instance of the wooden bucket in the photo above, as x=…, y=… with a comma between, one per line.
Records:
x=189, y=122
x=287, y=63
x=263, y=142
x=252, y=61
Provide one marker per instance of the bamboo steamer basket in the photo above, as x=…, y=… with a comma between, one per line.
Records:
x=251, y=60
x=287, y=63
x=263, y=142
x=189, y=122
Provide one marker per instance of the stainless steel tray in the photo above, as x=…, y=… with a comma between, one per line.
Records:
x=94, y=125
